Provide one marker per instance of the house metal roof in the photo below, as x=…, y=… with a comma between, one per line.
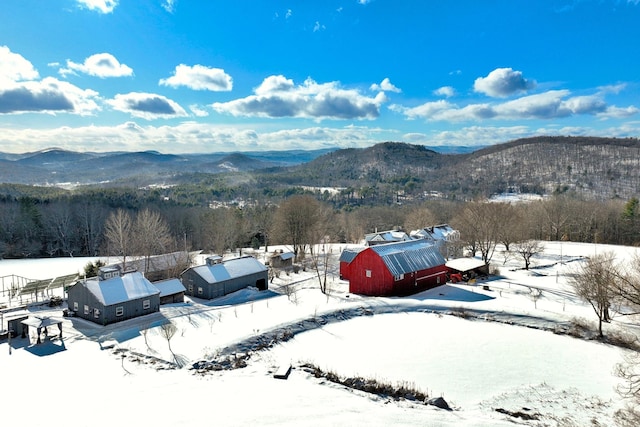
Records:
x=129, y=287
x=407, y=257
x=169, y=287
x=230, y=269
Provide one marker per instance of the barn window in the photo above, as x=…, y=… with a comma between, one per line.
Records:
x=119, y=311
x=438, y=280
x=399, y=277
x=75, y=306
x=191, y=289
x=368, y=273
x=96, y=313
x=146, y=304
x=200, y=290
x=86, y=309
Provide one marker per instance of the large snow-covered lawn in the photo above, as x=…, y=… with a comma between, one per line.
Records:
x=483, y=350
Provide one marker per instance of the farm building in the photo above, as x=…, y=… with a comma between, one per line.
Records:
x=463, y=269
x=220, y=277
x=158, y=267
x=111, y=298
x=382, y=237
x=346, y=257
x=443, y=236
x=282, y=260
x=401, y=268
x=171, y=291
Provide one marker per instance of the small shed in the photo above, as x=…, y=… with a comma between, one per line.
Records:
x=282, y=260
x=220, y=277
x=113, y=300
x=171, y=291
x=401, y=268
x=466, y=268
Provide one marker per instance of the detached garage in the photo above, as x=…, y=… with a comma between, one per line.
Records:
x=402, y=268
x=220, y=277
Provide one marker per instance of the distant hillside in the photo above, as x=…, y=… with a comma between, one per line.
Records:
x=594, y=167
x=384, y=173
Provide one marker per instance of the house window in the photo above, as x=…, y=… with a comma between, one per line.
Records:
x=146, y=304
x=368, y=273
x=86, y=309
x=75, y=306
x=399, y=277
x=191, y=289
x=96, y=313
x=438, y=280
x=119, y=311
x=200, y=290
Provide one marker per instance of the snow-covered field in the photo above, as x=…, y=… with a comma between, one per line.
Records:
x=486, y=351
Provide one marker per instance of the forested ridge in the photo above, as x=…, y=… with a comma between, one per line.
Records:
x=590, y=185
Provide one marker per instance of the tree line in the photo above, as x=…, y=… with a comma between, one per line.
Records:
x=78, y=225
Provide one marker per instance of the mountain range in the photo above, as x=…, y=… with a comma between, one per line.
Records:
x=594, y=167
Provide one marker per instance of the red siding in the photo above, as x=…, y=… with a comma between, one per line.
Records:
x=382, y=283
x=344, y=270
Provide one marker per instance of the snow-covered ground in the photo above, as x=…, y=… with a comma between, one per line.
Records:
x=486, y=351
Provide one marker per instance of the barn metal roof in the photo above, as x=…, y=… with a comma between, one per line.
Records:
x=230, y=269
x=407, y=257
x=129, y=287
x=348, y=255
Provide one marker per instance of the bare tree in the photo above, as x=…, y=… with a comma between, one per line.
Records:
x=119, y=234
x=319, y=247
x=151, y=235
x=480, y=224
x=418, y=218
x=594, y=283
x=629, y=371
x=168, y=330
x=527, y=249
x=295, y=220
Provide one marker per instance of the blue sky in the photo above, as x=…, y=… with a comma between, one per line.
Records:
x=181, y=76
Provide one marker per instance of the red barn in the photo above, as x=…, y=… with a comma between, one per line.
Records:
x=401, y=268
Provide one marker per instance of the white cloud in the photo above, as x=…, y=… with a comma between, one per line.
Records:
x=148, y=106
x=100, y=65
x=618, y=113
x=446, y=91
x=503, y=82
x=277, y=96
x=14, y=67
x=199, y=77
x=317, y=27
x=288, y=14
x=545, y=105
x=169, y=5
x=552, y=104
x=198, y=111
x=103, y=6
x=47, y=96
x=186, y=137
x=386, y=86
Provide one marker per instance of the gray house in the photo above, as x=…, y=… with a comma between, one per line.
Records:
x=112, y=298
x=220, y=277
